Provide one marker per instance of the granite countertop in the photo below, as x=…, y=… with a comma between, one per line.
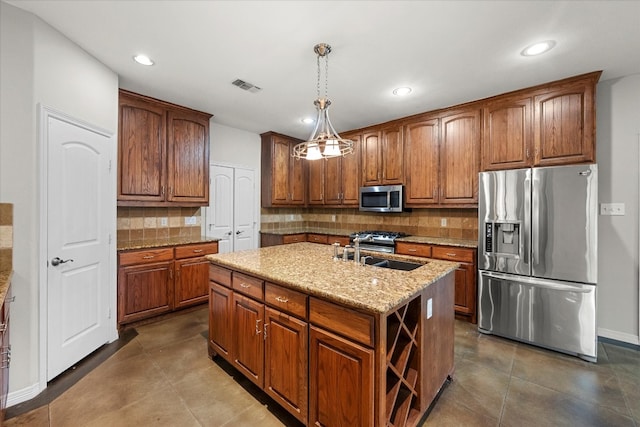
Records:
x=310, y=268
x=5, y=281
x=329, y=231
x=461, y=243
x=161, y=243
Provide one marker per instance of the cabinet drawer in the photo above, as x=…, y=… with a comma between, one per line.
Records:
x=344, y=241
x=199, y=249
x=317, y=238
x=294, y=238
x=248, y=285
x=349, y=323
x=149, y=255
x=415, y=249
x=220, y=275
x=454, y=254
x=286, y=299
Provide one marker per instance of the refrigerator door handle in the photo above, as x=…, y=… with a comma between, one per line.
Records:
x=541, y=283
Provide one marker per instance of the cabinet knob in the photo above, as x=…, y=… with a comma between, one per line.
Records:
x=282, y=299
x=244, y=285
x=197, y=251
x=451, y=254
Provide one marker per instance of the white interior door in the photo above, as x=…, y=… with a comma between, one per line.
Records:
x=243, y=212
x=78, y=249
x=230, y=216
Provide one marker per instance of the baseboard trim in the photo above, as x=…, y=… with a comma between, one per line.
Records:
x=19, y=396
x=619, y=336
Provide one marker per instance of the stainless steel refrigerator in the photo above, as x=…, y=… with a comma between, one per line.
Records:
x=537, y=256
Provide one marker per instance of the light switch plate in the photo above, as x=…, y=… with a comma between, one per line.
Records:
x=429, y=308
x=164, y=221
x=616, y=209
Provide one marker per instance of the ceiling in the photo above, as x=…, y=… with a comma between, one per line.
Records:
x=449, y=52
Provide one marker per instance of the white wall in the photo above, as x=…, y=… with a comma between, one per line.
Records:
x=618, y=156
x=39, y=66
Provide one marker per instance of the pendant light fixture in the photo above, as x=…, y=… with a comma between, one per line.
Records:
x=324, y=141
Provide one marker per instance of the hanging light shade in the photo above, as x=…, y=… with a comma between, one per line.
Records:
x=324, y=141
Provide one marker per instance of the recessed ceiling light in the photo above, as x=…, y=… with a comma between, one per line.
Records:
x=538, y=48
x=402, y=91
x=307, y=120
x=143, y=59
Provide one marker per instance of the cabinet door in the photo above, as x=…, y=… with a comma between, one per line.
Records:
x=192, y=282
x=465, y=293
x=391, y=156
x=144, y=291
x=280, y=170
x=316, y=182
x=220, y=320
x=507, y=135
x=565, y=125
x=297, y=180
x=248, y=345
x=141, y=151
x=421, y=162
x=459, y=158
x=332, y=181
x=285, y=359
x=371, y=173
x=188, y=157
x=340, y=381
x=350, y=168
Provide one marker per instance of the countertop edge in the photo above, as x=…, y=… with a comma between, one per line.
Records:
x=163, y=243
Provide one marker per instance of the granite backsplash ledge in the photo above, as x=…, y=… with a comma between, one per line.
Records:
x=460, y=223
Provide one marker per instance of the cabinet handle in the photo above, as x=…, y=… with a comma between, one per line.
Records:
x=3, y=328
x=282, y=299
x=162, y=191
x=527, y=153
x=265, y=330
x=258, y=331
x=171, y=274
x=244, y=285
x=148, y=256
x=451, y=254
x=197, y=251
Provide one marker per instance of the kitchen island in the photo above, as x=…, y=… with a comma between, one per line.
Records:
x=334, y=342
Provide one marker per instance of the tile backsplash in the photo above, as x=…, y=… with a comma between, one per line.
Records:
x=157, y=223
x=460, y=223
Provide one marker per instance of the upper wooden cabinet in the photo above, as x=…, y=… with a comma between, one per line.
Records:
x=342, y=176
x=382, y=156
x=547, y=125
x=163, y=153
x=283, y=177
x=421, y=151
x=460, y=157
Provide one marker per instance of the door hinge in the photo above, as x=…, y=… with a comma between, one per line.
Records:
x=109, y=165
x=109, y=238
x=109, y=313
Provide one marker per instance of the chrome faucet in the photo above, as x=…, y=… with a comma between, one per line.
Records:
x=356, y=243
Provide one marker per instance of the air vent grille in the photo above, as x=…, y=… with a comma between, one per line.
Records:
x=246, y=86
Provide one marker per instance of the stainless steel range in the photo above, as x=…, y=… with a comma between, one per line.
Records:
x=378, y=241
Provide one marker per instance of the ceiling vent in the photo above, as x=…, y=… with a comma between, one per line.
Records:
x=246, y=86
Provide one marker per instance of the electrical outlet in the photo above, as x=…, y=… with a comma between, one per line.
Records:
x=164, y=221
x=616, y=209
x=443, y=222
x=333, y=218
x=189, y=220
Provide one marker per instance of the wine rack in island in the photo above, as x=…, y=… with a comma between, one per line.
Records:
x=403, y=365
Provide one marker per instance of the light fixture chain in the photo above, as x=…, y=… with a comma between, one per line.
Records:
x=326, y=75
x=318, y=83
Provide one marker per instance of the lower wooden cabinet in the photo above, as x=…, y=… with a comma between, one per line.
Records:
x=5, y=352
x=341, y=381
x=156, y=281
x=220, y=320
x=466, y=287
x=269, y=239
x=248, y=339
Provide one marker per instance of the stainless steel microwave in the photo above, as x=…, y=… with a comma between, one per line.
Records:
x=381, y=198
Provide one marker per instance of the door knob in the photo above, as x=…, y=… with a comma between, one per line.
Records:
x=239, y=231
x=229, y=233
x=57, y=261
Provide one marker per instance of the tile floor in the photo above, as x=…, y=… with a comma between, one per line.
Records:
x=163, y=377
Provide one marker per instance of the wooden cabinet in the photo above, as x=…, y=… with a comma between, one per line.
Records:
x=5, y=351
x=317, y=238
x=466, y=287
x=547, y=125
x=192, y=274
x=342, y=177
x=163, y=153
x=154, y=281
x=283, y=177
x=341, y=381
x=248, y=344
x=315, y=185
x=421, y=153
x=220, y=320
x=507, y=134
x=382, y=159
x=270, y=239
x=460, y=157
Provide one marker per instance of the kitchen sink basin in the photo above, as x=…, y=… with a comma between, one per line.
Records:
x=393, y=264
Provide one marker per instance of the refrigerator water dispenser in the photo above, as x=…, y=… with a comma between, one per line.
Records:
x=502, y=238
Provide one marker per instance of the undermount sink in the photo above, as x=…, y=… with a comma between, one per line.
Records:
x=393, y=264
